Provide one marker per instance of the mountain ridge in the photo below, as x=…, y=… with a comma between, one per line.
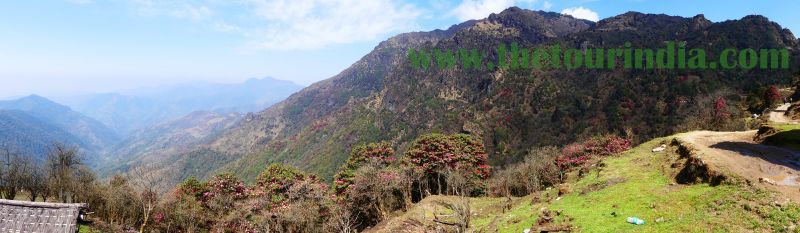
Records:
x=128, y=111
x=380, y=97
x=94, y=135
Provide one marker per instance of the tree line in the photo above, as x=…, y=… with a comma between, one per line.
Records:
x=373, y=182
x=61, y=176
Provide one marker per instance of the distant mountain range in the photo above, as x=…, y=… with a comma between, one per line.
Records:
x=146, y=125
x=171, y=142
x=32, y=124
x=127, y=112
x=28, y=135
x=382, y=98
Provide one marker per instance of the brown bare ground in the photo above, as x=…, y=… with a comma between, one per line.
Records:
x=779, y=115
x=736, y=153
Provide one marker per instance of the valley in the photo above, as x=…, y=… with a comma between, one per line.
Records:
x=387, y=145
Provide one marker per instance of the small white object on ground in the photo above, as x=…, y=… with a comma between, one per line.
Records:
x=635, y=220
x=767, y=181
x=660, y=148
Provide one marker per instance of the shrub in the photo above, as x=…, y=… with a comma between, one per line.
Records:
x=276, y=180
x=537, y=171
x=369, y=186
x=435, y=155
x=577, y=154
x=375, y=192
x=226, y=185
x=380, y=153
x=305, y=209
x=772, y=96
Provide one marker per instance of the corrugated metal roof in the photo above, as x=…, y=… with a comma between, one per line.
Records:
x=25, y=216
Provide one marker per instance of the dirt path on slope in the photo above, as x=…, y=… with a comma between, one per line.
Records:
x=736, y=152
x=779, y=115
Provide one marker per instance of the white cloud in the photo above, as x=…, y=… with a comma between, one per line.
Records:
x=291, y=24
x=479, y=9
x=308, y=24
x=547, y=5
x=192, y=12
x=581, y=13
x=223, y=26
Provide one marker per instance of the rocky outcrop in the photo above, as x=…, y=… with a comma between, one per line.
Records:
x=691, y=167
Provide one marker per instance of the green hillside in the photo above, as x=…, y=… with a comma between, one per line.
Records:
x=637, y=183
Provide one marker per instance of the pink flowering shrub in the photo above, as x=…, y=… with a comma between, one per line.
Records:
x=381, y=154
x=577, y=154
x=433, y=155
x=226, y=184
x=276, y=181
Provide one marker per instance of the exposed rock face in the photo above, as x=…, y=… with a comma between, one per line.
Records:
x=699, y=22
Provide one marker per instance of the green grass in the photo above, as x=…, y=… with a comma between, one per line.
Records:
x=649, y=193
x=87, y=229
x=646, y=193
x=643, y=187
x=491, y=217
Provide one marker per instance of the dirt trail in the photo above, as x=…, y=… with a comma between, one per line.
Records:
x=779, y=115
x=736, y=152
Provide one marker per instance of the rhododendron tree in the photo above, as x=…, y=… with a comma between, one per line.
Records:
x=577, y=154
x=375, y=192
x=573, y=155
x=294, y=201
x=226, y=185
x=380, y=153
x=191, y=187
x=772, y=96
x=277, y=179
x=435, y=155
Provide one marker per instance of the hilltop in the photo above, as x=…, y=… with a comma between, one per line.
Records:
x=381, y=97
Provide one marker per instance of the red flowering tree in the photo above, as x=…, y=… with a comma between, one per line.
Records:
x=572, y=155
x=223, y=191
x=577, y=154
x=721, y=109
x=369, y=186
x=276, y=180
x=223, y=200
x=381, y=154
x=435, y=155
x=286, y=199
x=721, y=114
x=772, y=96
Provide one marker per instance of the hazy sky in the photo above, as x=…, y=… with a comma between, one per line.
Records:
x=65, y=47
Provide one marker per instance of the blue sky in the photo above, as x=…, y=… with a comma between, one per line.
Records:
x=67, y=47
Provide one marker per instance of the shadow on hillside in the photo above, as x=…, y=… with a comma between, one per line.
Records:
x=776, y=155
x=788, y=139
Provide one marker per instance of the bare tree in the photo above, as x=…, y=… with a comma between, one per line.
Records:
x=149, y=183
x=15, y=173
x=461, y=186
x=85, y=190
x=119, y=197
x=461, y=214
x=62, y=164
x=36, y=183
x=342, y=220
